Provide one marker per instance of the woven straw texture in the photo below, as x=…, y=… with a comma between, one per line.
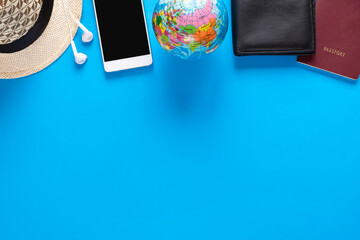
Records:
x=46, y=49
x=16, y=22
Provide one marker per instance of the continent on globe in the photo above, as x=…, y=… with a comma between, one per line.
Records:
x=190, y=29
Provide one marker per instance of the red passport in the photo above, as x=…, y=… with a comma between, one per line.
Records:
x=337, y=38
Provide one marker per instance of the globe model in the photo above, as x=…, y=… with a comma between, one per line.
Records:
x=190, y=29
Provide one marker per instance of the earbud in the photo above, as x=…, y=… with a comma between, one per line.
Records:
x=80, y=58
x=87, y=35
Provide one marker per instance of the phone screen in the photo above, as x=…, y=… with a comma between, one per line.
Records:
x=122, y=29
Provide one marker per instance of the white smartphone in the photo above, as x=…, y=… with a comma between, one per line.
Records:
x=123, y=34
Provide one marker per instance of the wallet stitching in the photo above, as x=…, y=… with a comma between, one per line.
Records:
x=288, y=50
x=277, y=52
x=312, y=23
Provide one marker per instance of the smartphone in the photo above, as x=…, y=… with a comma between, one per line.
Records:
x=123, y=34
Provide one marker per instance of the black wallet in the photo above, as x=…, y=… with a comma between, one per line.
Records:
x=273, y=27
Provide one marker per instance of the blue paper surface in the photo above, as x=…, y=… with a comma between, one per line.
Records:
x=222, y=148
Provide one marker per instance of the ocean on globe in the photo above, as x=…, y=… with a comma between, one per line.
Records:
x=190, y=29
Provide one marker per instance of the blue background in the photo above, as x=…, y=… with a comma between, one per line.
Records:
x=222, y=148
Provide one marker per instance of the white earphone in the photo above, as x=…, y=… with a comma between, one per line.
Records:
x=80, y=58
x=87, y=35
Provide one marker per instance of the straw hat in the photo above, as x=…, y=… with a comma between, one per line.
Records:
x=33, y=34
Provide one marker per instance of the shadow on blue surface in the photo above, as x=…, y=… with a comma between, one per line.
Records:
x=328, y=74
x=272, y=62
x=10, y=90
x=264, y=62
x=186, y=94
x=131, y=72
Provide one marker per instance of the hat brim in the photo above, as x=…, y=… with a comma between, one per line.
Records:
x=46, y=49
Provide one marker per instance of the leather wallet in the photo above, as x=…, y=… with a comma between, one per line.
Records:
x=273, y=27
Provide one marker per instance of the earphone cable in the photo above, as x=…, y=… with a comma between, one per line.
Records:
x=66, y=10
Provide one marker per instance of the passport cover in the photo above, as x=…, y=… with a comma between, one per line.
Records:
x=337, y=38
x=273, y=27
